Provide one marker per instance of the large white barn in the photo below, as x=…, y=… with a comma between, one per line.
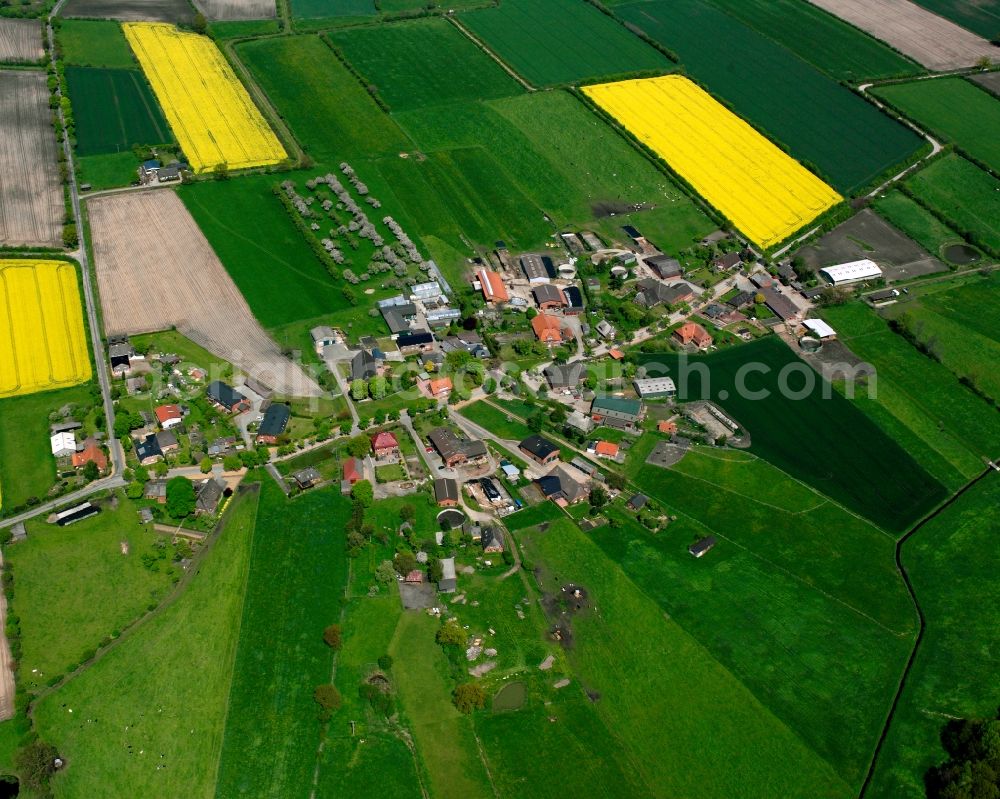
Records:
x=852, y=272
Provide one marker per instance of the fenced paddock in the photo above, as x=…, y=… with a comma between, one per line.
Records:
x=31, y=197
x=156, y=270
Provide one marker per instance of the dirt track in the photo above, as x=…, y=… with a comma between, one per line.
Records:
x=237, y=9
x=31, y=197
x=20, y=40
x=6, y=672
x=156, y=270
x=928, y=39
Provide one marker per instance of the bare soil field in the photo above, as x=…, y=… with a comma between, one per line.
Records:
x=31, y=195
x=130, y=10
x=156, y=270
x=20, y=40
x=237, y=9
x=867, y=235
x=989, y=81
x=925, y=37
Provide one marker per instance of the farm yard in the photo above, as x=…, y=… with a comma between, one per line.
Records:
x=839, y=136
x=114, y=109
x=930, y=40
x=955, y=109
x=964, y=195
x=209, y=110
x=31, y=197
x=177, y=11
x=751, y=182
x=562, y=41
x=20, y=41
x=196, y=296
x=867, y=235
x=42, y=342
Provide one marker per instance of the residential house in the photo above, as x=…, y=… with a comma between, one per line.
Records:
x=136, y=385
x=548, y=297
x=440, y=388
x=580, y=421
x=62, y=444
x=700, y=547
x=454, y=450
x=419, y=341
x=570, y=375
x=562, y=487
x=365, y=365
x=398, y=317
x=616, y=411
x=491, y=284
x=227, y=398
x=323, y=337
x=352, y=472
x=606, y=330
x=446, y=492
x=655, y=387
x=651, y=293
x=222, y=447
x=448, y=583
x=539, y=449
x=740, y=300
x=156, y=490
x=692, y=333
x=637, y=502
x=208, y=495
x=780, y=305
x=664, y=267
x=606, y=449
x=148, y=170
x=91, y=453
x=307, y=478
x=147, y=450
x=547, y=329
x=726, y=261
x=169, y=416
x=491, y=540
x=167, y=442
x=274, y=423
x=120, y=354
x=385, y=445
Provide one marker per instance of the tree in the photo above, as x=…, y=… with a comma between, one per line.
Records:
x=232, y=463
x=333, y=637
x=363, y=493
x=386, y=572
x=180, y=498
x=199, y=24
x=405, y=562
x=35, y=763
x=616, y=481
x=598, y=498
x=206, y=465
x=973, y=768
x=435, y=571
x=140, y=474
x=407, y=512
x=530, y=314
x=161, y=469
x=328, y=698
x=359, y=390
x=385, y=662
x=359, y=446
x=470, y=696
x=535, y=423
x=451, y=634
x=134, y=490
x=378, y=387
x=91, y=471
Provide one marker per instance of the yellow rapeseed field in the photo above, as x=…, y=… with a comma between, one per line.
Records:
x=209, y=110
x=761, y=190
x=42, y=342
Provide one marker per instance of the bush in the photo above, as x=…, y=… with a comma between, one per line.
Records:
x=332, y=637
x=385, y=662
x=329, y=700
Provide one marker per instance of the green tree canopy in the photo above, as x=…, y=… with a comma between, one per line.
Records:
x=180, y=498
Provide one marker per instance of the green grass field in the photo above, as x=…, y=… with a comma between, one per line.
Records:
x=319, y=9
x=163, y=690
x=298, y=570
x=263, y=250
x=657, y=685
x=114, y=109
x=916, y=222
x=562, y=41
x=27, y=468
x=108, y=171
x=423, y=63
x=953, y=563
x=855, y=454
x=568, y=161
x=835, y=47
x=329, y=112
x=95, y=43
x=73, y=586
x=495, y=420
x=982, y=16
x=965, y=195
x=953, y=108
x=825, y=668
x=821, y=123
x=237, y=29
x=918, y=401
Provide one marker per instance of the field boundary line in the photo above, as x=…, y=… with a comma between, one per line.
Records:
x=921, y=623
x=491, y=53
x=823, y=500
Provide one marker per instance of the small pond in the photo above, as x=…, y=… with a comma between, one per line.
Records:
x=511, y=697
x=962, y=254
x=455, y=518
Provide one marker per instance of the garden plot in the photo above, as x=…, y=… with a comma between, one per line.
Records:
x=237, y=9
x=20, y=40
x=131, y=10
x=31, y=198
x=867, y=235
x=927, y=38
x=156, y=270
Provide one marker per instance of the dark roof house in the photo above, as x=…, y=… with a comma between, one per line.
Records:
x=274, y=423
x=227, y=397
x=539, y=449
